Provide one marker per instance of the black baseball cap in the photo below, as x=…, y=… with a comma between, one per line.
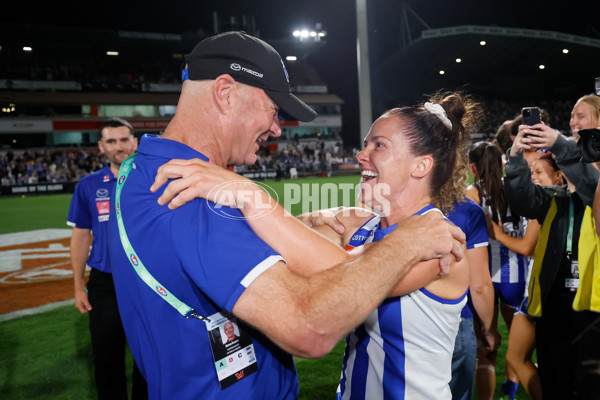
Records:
x=251, y=61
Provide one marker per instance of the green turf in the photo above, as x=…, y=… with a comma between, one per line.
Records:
x=18, y=214
x=48, y=356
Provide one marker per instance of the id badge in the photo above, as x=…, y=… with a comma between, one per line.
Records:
x=232, y=349
x=575, y=268
x=572, y=283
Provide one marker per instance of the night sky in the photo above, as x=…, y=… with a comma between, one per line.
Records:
x=275, y=19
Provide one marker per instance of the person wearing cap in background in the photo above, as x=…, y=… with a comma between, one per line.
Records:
x=182, y=275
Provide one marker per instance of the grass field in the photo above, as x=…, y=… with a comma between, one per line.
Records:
x=48, y=355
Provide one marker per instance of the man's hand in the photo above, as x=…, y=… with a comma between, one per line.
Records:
x=81, y=301
x=430, y=236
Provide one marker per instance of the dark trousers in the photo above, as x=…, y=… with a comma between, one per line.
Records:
x=568, y=351
x=109, y=342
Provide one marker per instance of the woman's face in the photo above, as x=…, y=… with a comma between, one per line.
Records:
x=385, y=163
x=582, y=117
x=543, y=174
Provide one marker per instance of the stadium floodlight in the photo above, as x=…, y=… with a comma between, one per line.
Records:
x=291, y=58
x=314, y=34
x=542, y=66
x=565, y=51
x=27, y=48
x=458, y=60
x=442, y=72
x=483, y=43
x=112, y=53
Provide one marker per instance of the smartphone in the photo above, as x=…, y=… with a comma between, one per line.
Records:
x=531, y=115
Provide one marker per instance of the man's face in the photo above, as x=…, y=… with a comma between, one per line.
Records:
x=256, y=119
x=229, y=331
x=118, y=144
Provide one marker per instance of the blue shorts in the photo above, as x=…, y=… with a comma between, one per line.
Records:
x=522, y=309
x=510, y=294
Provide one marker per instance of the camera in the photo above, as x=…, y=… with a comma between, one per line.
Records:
x=589, y=145
x=589, y=139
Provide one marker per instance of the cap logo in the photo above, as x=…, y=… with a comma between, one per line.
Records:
x=237, y=67
x=287, y=77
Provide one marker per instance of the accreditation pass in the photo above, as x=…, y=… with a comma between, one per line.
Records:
x=232, y=348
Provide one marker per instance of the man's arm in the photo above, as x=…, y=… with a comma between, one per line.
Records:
x=80, y=248
x=308, y=316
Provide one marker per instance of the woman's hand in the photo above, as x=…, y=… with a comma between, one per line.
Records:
x=538, y=136
x=199, y=179
x=494, y=229
x=323, y=217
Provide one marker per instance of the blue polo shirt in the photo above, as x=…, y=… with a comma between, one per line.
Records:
x=469, y=217
x=206, y=259
x=90, y=209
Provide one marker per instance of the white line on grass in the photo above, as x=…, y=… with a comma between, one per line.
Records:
x=36, y=310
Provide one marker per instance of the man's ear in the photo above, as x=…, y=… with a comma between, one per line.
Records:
x=100, y=146
x=224, y=92
x=423, y=166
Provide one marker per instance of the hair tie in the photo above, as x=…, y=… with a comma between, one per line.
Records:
x=438, y=111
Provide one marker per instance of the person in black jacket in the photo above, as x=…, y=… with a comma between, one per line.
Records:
x=567, y=340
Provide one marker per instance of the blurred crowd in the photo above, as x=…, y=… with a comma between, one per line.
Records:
x=314, y=158
x=48, y=165
x=297, y=158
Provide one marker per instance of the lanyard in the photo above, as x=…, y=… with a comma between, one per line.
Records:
x=135, y=260
x=571, y=222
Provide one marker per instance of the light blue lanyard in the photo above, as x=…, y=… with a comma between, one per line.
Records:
x=570, y=232
x=135, y=260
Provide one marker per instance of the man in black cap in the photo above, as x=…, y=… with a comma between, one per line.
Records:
x=180, y=274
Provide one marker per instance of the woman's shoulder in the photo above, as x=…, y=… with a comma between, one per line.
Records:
x=472, y=193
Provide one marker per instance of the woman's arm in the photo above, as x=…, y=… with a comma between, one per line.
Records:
x=524, y=197
x=524, y=245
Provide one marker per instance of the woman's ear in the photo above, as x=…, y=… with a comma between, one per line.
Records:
x=423, y=166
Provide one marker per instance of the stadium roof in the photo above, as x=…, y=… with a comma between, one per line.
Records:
x=506, y=67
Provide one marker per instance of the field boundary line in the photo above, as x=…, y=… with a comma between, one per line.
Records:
x=36, y=310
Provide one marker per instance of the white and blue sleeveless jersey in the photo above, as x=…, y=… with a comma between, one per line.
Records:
x=403, y=350
x=506, y=266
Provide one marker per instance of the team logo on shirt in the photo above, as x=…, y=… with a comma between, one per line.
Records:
x=133, y=259
x=121, y=179
x=106, y=178
x=161, y=290
x=102, y=193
